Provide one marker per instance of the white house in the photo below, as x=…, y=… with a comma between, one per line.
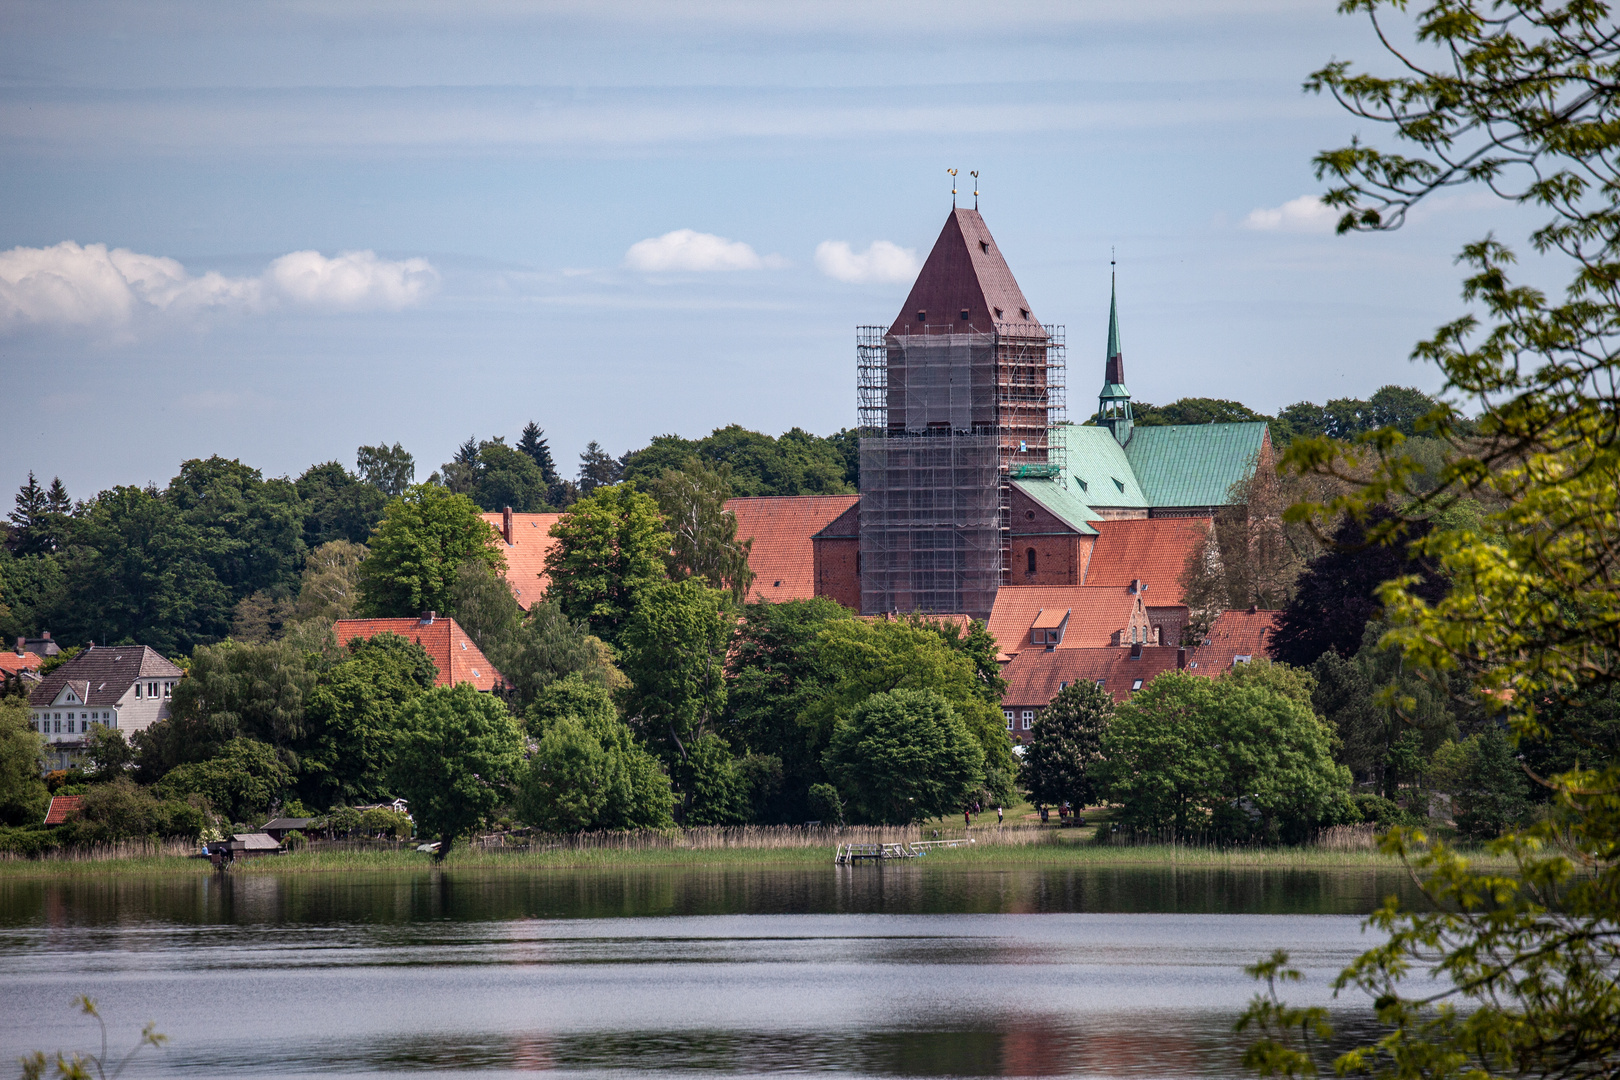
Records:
x=124, y=687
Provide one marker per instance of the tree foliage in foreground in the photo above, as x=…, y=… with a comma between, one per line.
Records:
x=904, y=756
x=1520, y=96
x=1063, y=762
x=417, y=551
x=455, y=755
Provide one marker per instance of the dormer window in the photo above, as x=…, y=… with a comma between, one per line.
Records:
x=1023, y=313
x=1119, y=484
x=997, y=311
x=984, y=246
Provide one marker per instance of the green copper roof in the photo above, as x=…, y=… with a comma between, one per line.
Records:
x=1193, y=464
x=1062, y=498
x=1113, y=321
x=1099, y=473
x=1113, y=391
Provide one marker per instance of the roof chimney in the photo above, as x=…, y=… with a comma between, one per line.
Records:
x=46, y=634
x=1253, y=609
x=1181, y=659
x=506, y=524
x=428, y=617
x=22, y=646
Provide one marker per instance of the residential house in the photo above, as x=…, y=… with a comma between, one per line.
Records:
x=457, y=657
x=127, y=688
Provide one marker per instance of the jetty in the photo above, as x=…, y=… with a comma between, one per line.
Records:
x=848, y=854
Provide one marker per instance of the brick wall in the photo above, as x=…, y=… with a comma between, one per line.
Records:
x=836, y=559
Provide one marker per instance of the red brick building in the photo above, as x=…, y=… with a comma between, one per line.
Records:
x=458, y=659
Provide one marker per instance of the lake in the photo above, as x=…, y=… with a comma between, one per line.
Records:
x=860, y=971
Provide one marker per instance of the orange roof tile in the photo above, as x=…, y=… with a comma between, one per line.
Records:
x=1035, y=676
x=1234, y=634
x=1152, y=550
x=12, y=663
x=782, y=558
x=526, y=553
x=1050, y=619
x=1096, y=613
x=454, y=653
x=61, y=809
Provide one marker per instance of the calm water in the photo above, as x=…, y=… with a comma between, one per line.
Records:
x=862, y=971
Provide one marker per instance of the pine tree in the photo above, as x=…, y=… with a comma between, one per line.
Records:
x=57, y=497
x=597, y=468
x=32, y=505
x=533, y=443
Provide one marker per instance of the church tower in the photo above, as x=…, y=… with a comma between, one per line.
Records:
x=957, y=398
x=1114, y=403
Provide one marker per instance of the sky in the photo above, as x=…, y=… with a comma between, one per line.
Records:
x=276, y=232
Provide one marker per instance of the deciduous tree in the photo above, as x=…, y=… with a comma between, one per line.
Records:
x=456, y=755
x=904, y=755
x=417, y=551
x=610, y=547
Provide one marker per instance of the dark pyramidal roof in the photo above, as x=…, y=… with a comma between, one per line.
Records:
x=965, y=272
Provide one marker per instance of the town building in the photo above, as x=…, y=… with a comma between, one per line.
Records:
x=524, y=541
x=457, y=657
x=1036, y=675
x=126, y=688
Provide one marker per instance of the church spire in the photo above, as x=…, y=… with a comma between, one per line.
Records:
x=1114, y=403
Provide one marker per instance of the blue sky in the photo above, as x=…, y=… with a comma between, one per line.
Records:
x=327, y=224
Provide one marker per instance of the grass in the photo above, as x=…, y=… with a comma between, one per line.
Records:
x=1052, y=848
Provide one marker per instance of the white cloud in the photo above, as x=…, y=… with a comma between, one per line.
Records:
x=92, y=287
x=355, y=279
x=1304, y=214
x=686, y=249
x=880, y=262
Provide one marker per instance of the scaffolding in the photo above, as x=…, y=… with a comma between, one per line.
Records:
x=948, y=419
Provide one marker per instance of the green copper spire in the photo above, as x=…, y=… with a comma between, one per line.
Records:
x=1114, y=403
x=1113, y=320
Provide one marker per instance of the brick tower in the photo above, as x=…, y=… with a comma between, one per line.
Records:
x=956, y=398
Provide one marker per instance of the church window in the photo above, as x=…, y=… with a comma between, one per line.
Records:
x=964, y=314
x=1030, y=556
x=922, y=316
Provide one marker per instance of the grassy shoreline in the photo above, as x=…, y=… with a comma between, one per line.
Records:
x=987, y=857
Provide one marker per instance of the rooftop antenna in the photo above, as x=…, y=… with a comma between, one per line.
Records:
x=975, y=175
x=953, y=187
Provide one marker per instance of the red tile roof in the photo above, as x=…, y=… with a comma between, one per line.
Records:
x=1096, y=613
x=61, y=809
x=1035, y=676
x=1234, y=634
x=453, y=652
x=965, y=272
x=11, y=663
x=783, y=558
x=1152, y=550
x=526, y=553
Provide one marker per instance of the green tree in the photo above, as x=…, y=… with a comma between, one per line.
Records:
x=509, y=477
x=482, y=603
x=330, y=586
x=250, y=529
x=240, y=781
x=388, y=469
x=236, y=690
x=674, y=653
x=43, y=519
x=139, y=571
x=610, y=547
x=352, y=719
x=1062, y=762
x=1159, y=767
x=456, y=754
x=107, y=754
x=23, y=797
x=597, y=469
x=586, y=770
x=904, y=756
x=533, y=443
x=417, y=551
x=777, y=677
x=338, y=505
x=1494, y=796
x=883, y=655
x=1517, y=96
x=33, y=590
x=548, y=646
x=693, y=502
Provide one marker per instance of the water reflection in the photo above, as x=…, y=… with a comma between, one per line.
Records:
x=244, y=899
x=879, y=972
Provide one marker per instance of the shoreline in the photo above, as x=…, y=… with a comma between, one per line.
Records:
x=990, y=857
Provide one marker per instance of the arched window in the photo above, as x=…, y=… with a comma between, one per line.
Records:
x=1030, y=557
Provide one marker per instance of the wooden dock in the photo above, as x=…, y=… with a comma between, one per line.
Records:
x=848, y=854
